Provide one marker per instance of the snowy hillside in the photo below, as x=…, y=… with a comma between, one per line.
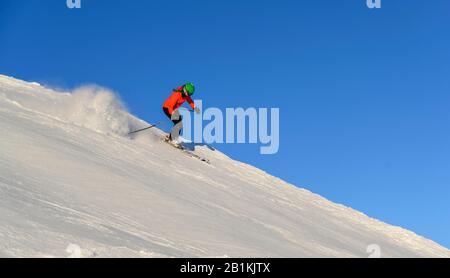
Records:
x=69, y=177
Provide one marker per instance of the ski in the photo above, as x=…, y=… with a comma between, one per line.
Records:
x=187, y=152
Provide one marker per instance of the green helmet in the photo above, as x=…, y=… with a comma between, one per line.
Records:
x=189, y=89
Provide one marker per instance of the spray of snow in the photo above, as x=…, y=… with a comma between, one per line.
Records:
x=99, y=109
x=90, y=106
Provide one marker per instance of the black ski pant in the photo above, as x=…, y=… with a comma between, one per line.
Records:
x=175, y=122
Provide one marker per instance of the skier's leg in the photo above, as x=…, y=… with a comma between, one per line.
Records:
x=177, y=120
x=166, y=112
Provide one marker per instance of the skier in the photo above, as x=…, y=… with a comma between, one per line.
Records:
x=171, y=105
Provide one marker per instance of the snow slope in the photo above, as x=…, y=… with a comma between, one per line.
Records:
x=70, y=178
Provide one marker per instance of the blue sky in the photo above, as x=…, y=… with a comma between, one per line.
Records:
x=363, y=94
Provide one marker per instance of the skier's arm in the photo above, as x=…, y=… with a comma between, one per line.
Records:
x=191, y=102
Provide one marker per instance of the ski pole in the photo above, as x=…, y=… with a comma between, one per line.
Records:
x=152, y=126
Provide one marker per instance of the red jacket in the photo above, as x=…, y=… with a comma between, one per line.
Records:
x=177, y=99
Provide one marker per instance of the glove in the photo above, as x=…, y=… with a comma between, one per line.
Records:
x=197, y=110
